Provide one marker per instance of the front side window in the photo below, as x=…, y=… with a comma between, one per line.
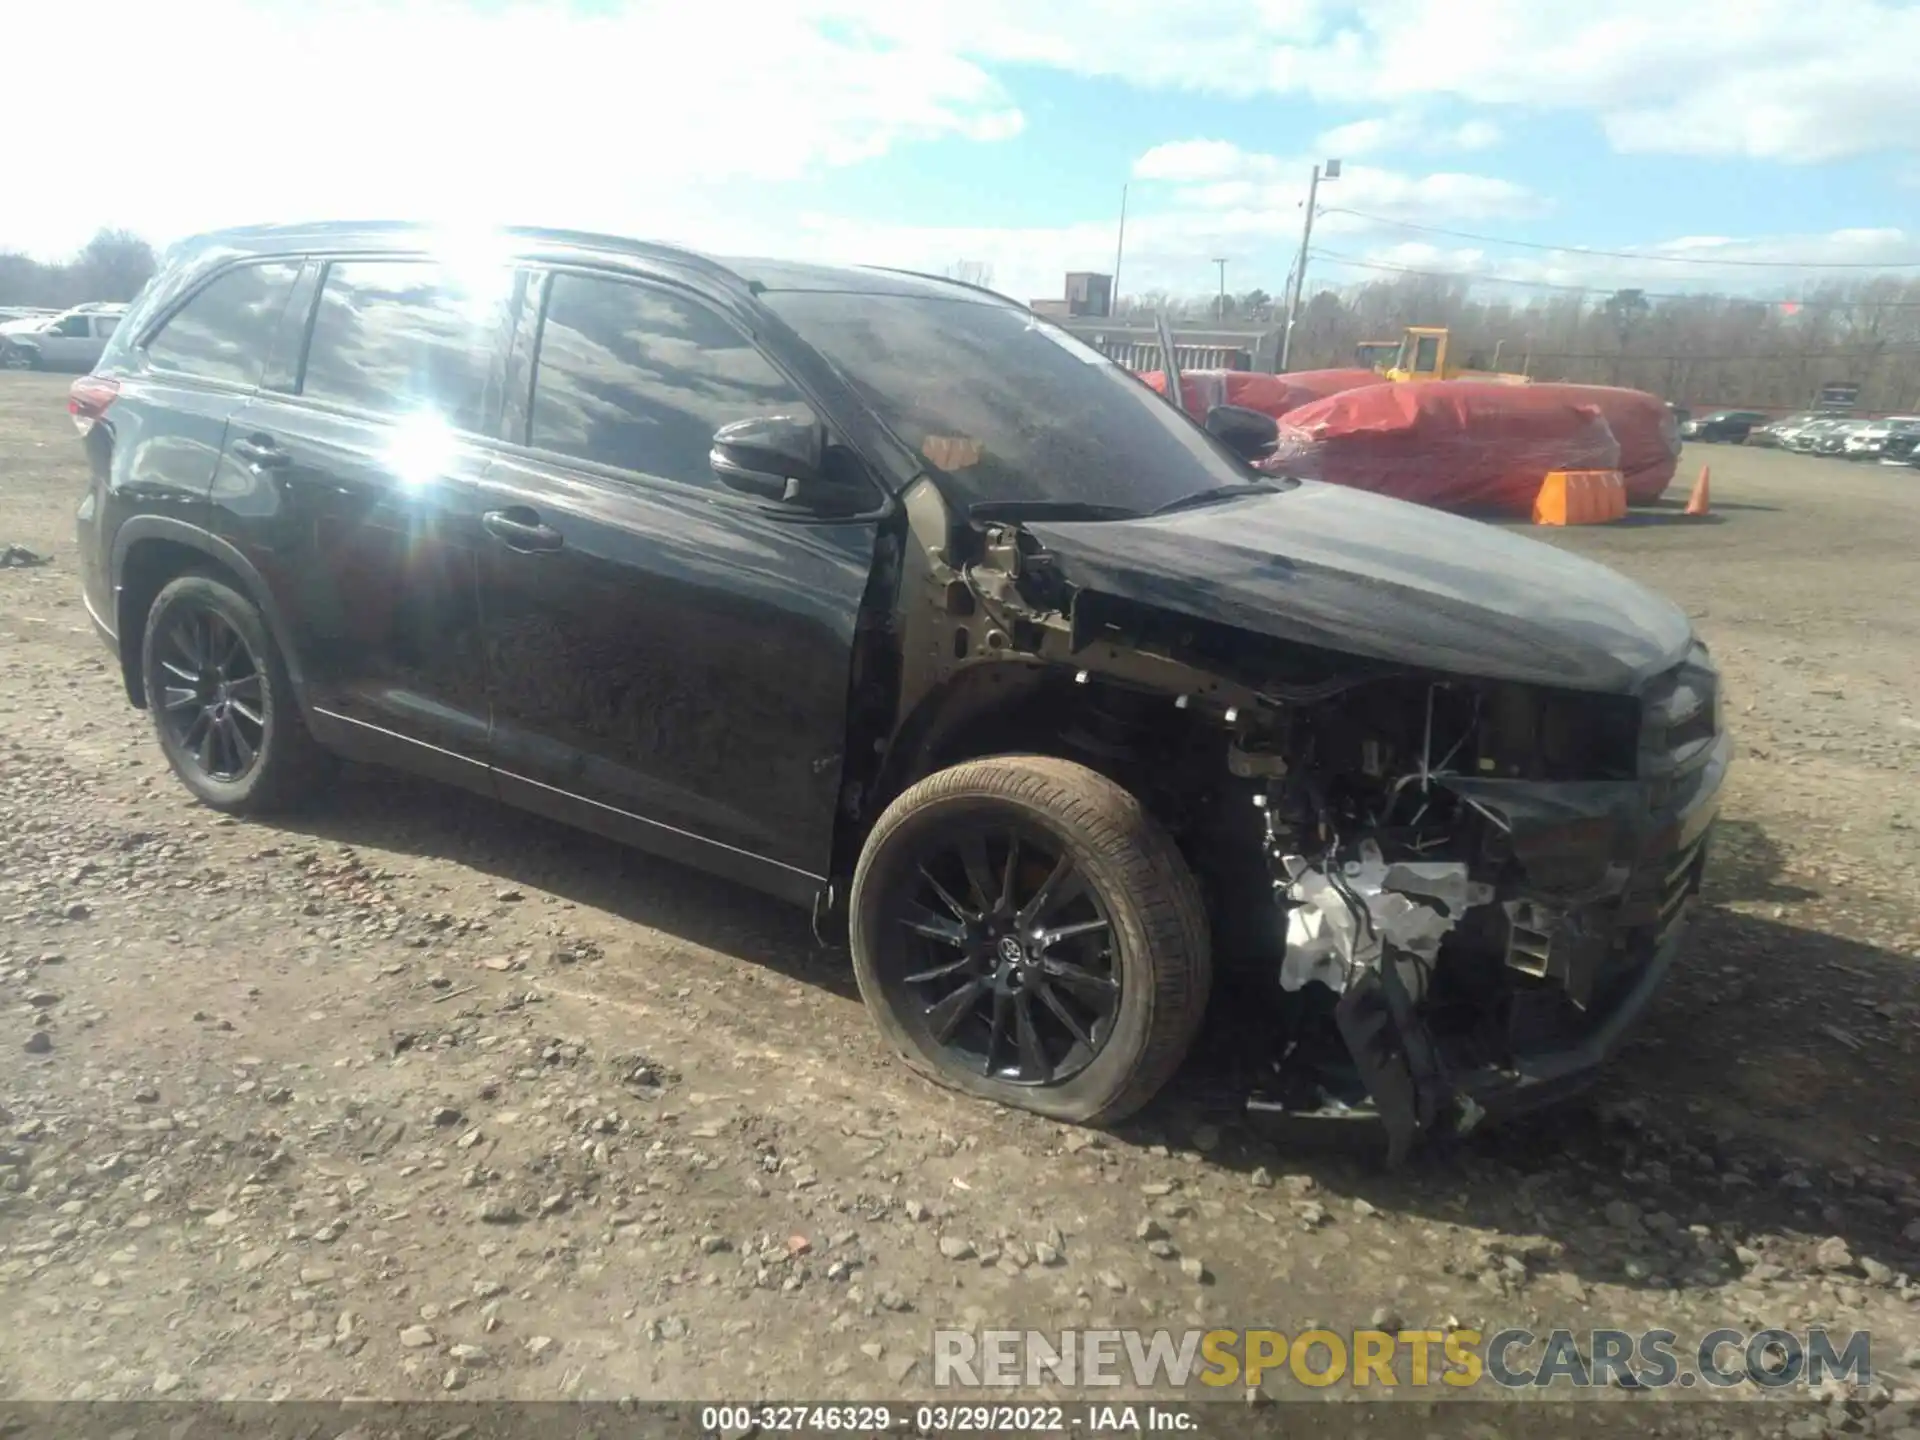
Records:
x=406, y=337
x=1007, y=408
x=638, y=378
x=1426, y=354
x=226, y=331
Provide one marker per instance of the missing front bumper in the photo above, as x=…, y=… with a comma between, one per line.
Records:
x=1584, y=956
x=1410, y=1098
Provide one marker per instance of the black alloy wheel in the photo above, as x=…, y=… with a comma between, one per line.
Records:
x=1005, y=957
x=212, y=693
x=222, y=702
x=1024, y=931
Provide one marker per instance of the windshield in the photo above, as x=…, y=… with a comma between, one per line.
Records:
x=1007, y=408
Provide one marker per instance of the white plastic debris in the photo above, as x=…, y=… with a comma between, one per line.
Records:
x=1412, y=905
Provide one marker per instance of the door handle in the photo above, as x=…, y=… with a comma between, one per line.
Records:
x=262, y=453
x=520, y=529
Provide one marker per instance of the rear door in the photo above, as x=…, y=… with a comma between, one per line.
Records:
x=180, y=383
x=358, y=503
x=669, y=658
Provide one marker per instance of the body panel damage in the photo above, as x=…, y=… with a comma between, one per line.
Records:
x=1449, y=793
x=1363, y=575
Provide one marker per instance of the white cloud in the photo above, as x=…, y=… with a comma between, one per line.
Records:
x=1223, y=47
x=1746, y=77
x=1773, y=79
x=1776, y=266
x=1187, y=161
x=1474, y=135
x=1217, y=175
x=647, y=116
x=1405, y=131
x=233, y=111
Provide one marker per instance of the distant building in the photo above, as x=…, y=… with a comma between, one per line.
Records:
x=1088, y=294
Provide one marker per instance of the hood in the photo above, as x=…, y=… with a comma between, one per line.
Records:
x=1364, y=575
x=31, y=325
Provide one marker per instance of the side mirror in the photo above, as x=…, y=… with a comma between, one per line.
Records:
x=775, y=457
x=785, y=459
x=1248, y=433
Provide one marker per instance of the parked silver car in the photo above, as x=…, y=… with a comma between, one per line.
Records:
x=1869, y=441
x=70, y=340
x=1808, y=438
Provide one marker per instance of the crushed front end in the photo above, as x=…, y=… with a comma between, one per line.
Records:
x=1481, y=888
x=1447, y=798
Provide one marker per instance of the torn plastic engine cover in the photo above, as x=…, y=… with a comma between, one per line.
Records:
x=1452, y=885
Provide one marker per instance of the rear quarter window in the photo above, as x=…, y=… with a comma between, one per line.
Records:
x=226, y=329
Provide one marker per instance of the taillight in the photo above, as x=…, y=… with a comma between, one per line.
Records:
x=88, y=399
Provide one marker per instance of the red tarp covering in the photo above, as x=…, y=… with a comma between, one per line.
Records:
x=1273, y=395
x=1455, y=444
x=1648, y=434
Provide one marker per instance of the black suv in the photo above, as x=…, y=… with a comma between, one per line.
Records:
x=1723, y=425
x=879, y=593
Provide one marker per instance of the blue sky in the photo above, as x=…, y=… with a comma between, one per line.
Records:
x=925, y=133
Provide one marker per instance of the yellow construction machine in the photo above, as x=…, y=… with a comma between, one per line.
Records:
x=1421, y=354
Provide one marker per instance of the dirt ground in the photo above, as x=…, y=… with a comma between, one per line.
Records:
x=417, y=1094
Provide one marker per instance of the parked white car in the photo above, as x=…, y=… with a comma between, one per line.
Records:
x=71, y=340
x=1782, y=433
x=1869, y=441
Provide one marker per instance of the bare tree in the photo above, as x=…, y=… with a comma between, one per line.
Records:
x=113, y=265
x=1701, y=350
x=971, y=272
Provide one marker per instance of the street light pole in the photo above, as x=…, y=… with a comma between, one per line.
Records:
x=1221, y=316
x=1300, y=265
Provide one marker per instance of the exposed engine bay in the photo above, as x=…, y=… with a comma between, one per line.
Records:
x=1461, y=888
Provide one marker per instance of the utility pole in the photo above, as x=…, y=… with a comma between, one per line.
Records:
x=1119, y=249
x=1221, y=316
x=1300, y=265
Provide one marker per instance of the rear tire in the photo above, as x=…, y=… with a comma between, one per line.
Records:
x=222, y=702
x=1025, y=932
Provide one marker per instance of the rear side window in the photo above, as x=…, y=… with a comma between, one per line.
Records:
x=405, y=336
x=639, y=379
x=105, y=325
x=227, y=329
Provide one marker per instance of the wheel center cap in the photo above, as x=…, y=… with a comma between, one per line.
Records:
x=1012, y=952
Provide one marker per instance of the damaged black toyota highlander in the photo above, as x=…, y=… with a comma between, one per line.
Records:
x=881, y=594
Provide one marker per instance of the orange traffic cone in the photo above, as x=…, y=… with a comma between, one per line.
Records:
x=1698, y=503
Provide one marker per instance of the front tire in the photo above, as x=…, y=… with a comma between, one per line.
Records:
x=222, y=702
x=1025, y=932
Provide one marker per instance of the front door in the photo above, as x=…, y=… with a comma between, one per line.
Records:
x=65, y=343
x=669, y=659
x=361, y=509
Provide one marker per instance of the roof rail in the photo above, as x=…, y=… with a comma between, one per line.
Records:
x=946, y=280
x=585, y=239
